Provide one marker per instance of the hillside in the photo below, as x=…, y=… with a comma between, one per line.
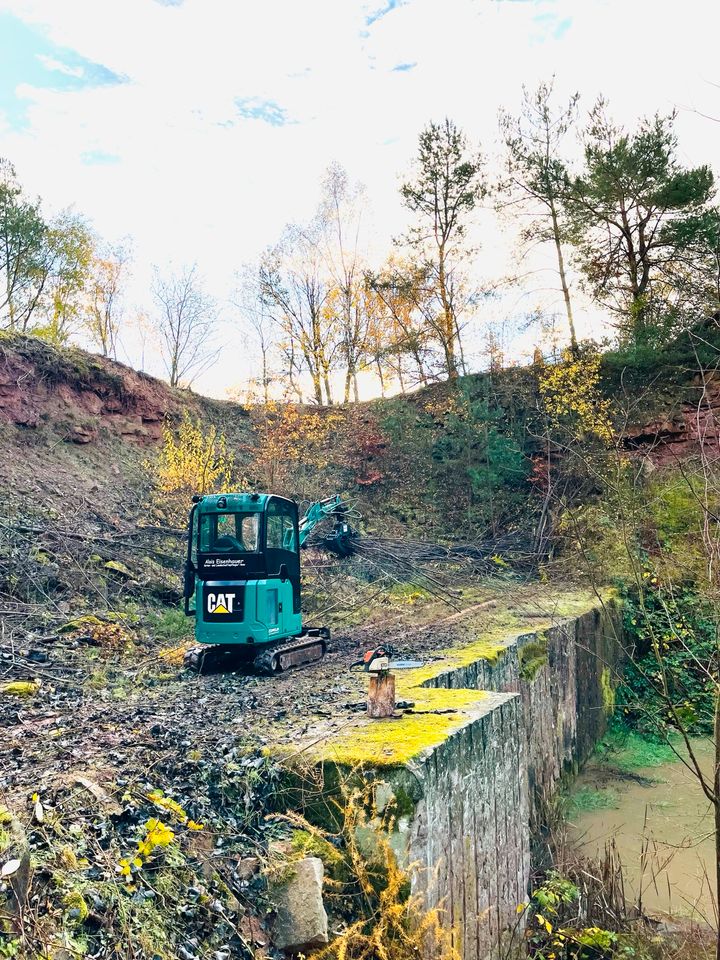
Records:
x=104, y=719
x=108, y=730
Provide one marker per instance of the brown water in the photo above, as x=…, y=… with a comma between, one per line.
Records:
x=663, y=832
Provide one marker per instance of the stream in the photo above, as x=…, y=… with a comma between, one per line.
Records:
x=662, y=825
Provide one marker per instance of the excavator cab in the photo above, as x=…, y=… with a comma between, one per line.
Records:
x=242, y=572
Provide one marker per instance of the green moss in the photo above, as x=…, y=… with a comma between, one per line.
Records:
x=75, y=906
x=306, y=844
x=608, y=691
x=441, y=712
x=81, y=623
x=393, y=743
x=402, y=804
x=533, y=656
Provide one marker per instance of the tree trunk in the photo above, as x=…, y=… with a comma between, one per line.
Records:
x=381, y=696
x=716, y=793
x=381, y=378
x=448, y=319
x=328, y=391
x=563, y=280
x=356, y=391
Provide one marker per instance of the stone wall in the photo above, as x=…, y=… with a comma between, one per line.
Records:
x=477, y=793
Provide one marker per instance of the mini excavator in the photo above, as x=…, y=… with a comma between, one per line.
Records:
x=242, y=578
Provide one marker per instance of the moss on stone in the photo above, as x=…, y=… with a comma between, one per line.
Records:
x=533, y=656
x=306, y=844
x=608, y=691
x=394, y=742
x=440, y=712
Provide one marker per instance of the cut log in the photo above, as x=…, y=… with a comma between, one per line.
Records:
x=381, y=696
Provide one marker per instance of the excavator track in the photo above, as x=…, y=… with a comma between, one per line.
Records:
x=308, y=648
x=274, y=658
x=216, y=658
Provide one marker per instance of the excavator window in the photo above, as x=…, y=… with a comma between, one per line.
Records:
x=280, y=527
x=229, y=532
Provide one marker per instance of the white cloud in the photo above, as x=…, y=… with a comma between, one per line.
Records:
x=51, y=64
x=199, y=178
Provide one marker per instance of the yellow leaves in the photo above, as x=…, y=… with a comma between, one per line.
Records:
x=172, y=806
x=195, y=459
x=167, y=803
x=38, y=809
x=571, y=389
x=287, y=435
x=111, y=636
x=157, y=834
x=175, y=656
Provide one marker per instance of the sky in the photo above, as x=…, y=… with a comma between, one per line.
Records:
x=197, y=128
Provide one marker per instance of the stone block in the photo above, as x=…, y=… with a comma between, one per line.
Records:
x=300, y=921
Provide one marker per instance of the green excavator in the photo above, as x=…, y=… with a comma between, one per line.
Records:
x=242, y=578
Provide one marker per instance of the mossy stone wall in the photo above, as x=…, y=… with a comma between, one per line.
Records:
x=474, y=782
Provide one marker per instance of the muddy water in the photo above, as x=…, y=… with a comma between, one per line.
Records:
x=662, y=826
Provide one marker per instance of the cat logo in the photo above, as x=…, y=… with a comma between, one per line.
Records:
x=220, y=603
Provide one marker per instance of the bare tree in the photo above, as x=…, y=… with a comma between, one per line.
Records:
x=341, y=214
x=260, y=328
x=294, y=289
x=104, y=309
x=184, y=321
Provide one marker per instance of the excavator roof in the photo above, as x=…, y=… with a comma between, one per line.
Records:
x=234, y=502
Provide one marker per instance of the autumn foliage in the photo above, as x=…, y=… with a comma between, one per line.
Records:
x=193, y=459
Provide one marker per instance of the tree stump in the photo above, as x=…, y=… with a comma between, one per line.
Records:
x=381, y=696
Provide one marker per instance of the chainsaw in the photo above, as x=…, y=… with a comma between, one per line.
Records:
x=382, y=659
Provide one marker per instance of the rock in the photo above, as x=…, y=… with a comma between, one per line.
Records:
x=109, y=805
x=118, y=567
x=247, y=867
x=300, y=919
x=82, y=433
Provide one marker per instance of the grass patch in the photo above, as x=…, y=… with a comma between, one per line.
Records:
x=627, y=750
x=409, y=593
x=587, y=800
x=171, y=625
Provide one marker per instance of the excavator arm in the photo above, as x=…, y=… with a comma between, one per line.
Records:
x=341, y=539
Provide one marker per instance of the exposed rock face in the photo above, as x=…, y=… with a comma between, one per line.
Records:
x=80, y=394
x=684, y=430
x=301, y=921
